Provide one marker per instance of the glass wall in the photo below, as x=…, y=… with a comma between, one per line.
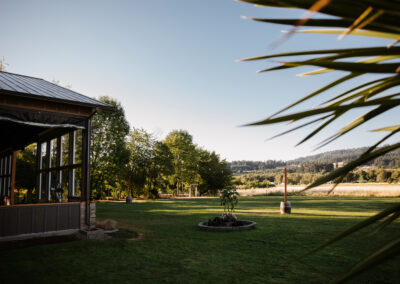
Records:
x=5, y=179
x=60, y=168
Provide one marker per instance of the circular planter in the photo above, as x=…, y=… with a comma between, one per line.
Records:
x=246, y=225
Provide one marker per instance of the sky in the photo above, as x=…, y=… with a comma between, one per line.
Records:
x=173, y=65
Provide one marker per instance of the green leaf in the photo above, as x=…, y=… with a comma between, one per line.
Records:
x=357, y=227
x=389, y=128
x=350, y=52
x=347, y=66
x=359, y=121
x=355, y=89
x=319, y=91
x=367, y=33
x=388, y=250
x=309, y=113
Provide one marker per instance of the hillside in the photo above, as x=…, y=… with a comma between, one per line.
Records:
x=390, y=160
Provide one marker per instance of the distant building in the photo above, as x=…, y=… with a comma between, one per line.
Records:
x=338, y=165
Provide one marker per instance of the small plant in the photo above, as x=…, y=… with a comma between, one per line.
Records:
x=229, y=199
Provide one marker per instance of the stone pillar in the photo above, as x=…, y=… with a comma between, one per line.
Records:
x=91, y=217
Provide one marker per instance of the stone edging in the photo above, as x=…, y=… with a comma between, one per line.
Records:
x=249, y=226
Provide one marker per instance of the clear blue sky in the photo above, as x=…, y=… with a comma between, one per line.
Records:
x=172, y=66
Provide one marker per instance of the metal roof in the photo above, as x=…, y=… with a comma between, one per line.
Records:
x=41, y=89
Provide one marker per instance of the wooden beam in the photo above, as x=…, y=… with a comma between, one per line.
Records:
x=10, y=101
x=14, y=167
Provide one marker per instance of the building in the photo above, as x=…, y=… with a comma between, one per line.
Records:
x=57, y=119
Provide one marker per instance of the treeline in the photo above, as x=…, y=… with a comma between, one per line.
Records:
x=130, y=161
x=390, y=160
x=317, y=163
x=271, y=179
x=248, y=166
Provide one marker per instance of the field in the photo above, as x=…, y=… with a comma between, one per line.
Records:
x=171, y=249
x=343, y=189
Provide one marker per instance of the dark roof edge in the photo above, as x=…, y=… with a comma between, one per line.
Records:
x=104, y=106
x=22, y=75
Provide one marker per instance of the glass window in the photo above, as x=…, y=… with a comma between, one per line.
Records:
x=78, y=147
x=10, y=165
x=42, y=191
x=43, y=156
x=64, y=185
x=53, y=153
x=64, y=149
x=77, y=182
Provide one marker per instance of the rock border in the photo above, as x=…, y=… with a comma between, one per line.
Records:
x=249, y=226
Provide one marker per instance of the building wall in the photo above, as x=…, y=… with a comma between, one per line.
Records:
x=38, y=218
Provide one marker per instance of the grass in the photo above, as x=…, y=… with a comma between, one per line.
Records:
x=171, y=249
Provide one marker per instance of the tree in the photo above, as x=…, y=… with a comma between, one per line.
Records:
x=26, y=174
x=141, y=155
x=3, y=65
x=215, y=174
x=109, y=155
x=161, y=167
x=376, y=19
x=185, y=158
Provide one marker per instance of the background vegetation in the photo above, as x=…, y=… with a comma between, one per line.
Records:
x=131, y=161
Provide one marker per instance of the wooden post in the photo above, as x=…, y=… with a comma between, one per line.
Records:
x=286, y=207
x=48, y=173
x=285, y=185
x=14, y=167
x=86, y=169
x=38, y=168
x=71, y=157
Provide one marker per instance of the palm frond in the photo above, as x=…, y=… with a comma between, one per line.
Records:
x=368, y=18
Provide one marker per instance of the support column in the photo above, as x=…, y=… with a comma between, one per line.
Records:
x=38, y=168
x=14, y=167
x=48, y=176
x=86, y=190
x=71, y=155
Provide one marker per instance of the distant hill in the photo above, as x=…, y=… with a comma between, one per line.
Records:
x=390, y=160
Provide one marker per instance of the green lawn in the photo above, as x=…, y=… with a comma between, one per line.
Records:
x=171, y=249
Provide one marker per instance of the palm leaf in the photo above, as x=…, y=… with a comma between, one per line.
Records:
x=387, y=251
x=367, y=33
x=378, y=19
x=357, y=227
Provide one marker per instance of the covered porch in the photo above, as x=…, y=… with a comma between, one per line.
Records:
x=55, y=121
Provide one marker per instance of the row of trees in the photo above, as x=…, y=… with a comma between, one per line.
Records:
x=133, y=162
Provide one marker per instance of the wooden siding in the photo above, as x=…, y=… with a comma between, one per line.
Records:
x=38, y=218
